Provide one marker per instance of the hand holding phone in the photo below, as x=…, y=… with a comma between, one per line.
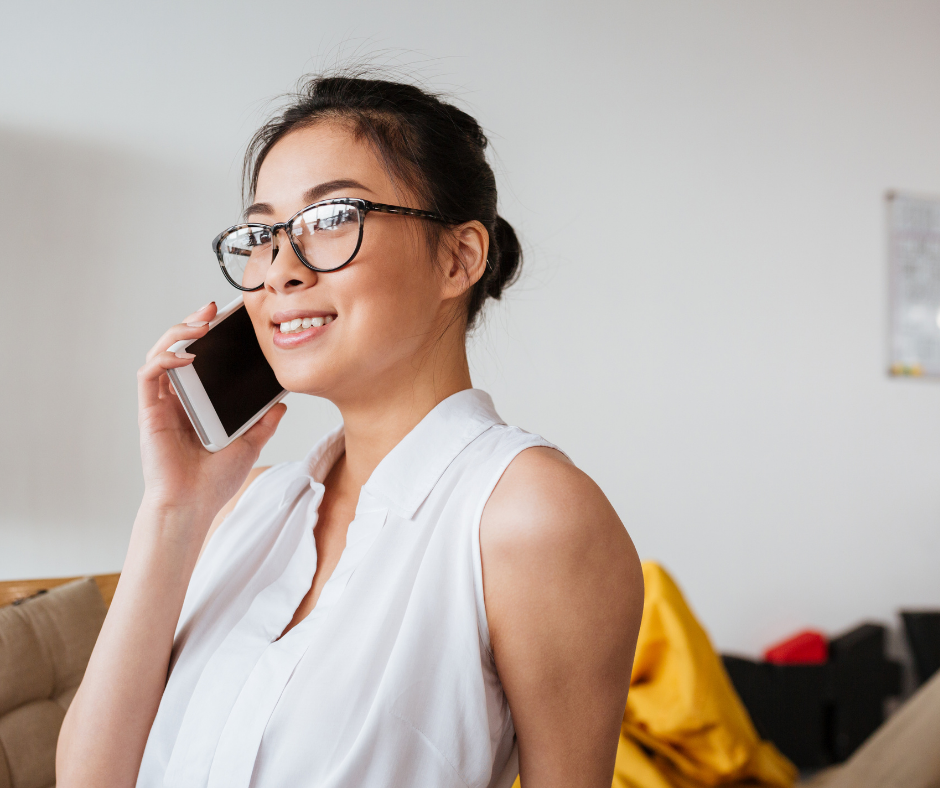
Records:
x=229, y=385
x=178, y=471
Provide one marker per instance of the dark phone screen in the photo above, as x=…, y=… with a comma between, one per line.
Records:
x=234, y=371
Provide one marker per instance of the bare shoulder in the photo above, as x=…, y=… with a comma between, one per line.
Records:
x=226, y=510
x=563, y=590
x=544, y=502
x=548, y=531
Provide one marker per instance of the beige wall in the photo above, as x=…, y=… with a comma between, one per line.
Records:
x=702, y=320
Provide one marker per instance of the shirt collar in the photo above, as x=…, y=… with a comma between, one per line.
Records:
x=408, y=473
x=316, y=465
x=323, y=457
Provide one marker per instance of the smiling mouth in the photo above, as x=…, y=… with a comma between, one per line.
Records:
x=298, y=324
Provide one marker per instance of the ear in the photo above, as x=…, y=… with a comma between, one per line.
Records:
x=464, y=258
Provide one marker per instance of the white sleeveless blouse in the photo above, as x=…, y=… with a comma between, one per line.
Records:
x=390, y=680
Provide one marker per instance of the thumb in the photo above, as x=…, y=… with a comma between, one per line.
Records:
x=261, y=432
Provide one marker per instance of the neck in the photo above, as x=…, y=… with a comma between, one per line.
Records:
x=375, y=424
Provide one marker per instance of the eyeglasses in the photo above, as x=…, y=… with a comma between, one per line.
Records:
x=325, y=237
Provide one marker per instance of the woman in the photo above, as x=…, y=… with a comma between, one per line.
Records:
x=431, y=597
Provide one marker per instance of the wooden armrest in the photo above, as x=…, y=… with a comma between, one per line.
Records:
x=12, y=590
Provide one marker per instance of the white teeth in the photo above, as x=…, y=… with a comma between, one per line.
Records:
x=301, y=324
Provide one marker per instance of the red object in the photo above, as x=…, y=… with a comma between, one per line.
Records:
x=805, y=648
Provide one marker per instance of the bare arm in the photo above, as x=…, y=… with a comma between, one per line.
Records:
x=564, y=598
x=102, y=739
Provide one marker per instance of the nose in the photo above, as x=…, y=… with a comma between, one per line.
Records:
x=286, y=272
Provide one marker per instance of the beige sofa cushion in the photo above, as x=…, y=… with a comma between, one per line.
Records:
x=28, y=736
x=45, y=643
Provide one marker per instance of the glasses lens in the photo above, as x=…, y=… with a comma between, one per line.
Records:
x=246, y=255
x=328, y=235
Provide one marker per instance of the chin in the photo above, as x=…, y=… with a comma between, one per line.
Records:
x=306, y=379
x=303, y=384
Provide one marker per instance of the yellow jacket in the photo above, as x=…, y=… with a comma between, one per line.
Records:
x=684, y=725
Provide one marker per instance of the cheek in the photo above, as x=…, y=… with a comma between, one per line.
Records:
x=392, y=295
x=394, y=306
x=254, y=303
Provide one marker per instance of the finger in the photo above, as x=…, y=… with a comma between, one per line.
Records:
x=148, y=376
x=192, y=327
x=169, y=397
x=180, y=331
x=261, y=432
x=206, y=313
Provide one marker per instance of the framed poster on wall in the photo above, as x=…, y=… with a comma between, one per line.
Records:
x=914, y=260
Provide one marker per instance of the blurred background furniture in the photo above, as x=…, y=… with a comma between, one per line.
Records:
x=923, y=635
x=48, y=629
x=902, y=753
x=819, y=714
x=12, y=591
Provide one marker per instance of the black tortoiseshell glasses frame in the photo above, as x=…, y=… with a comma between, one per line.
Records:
x=331, y=231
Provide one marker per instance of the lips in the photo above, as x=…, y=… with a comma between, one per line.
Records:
x=295, y=327
x=289, y=315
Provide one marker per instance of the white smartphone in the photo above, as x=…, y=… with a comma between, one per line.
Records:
x=229, y=385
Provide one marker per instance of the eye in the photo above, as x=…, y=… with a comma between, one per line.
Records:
x=259, y=237
x=331, y=218
x=346, y=215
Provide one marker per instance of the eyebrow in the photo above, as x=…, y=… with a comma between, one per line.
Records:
x=312, y=195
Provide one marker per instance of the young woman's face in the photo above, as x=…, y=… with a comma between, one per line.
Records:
x=387, y=306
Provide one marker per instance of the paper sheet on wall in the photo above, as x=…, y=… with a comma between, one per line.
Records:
x=914, y=256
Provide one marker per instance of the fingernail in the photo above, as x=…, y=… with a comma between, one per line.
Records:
x=207, y=305
x=200, y=324
x=184, y=354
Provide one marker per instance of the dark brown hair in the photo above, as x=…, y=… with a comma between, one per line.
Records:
x=435, y=148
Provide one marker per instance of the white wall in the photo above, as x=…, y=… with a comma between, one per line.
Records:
x=702, y=320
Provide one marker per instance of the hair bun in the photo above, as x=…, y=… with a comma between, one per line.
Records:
x=506, y=259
